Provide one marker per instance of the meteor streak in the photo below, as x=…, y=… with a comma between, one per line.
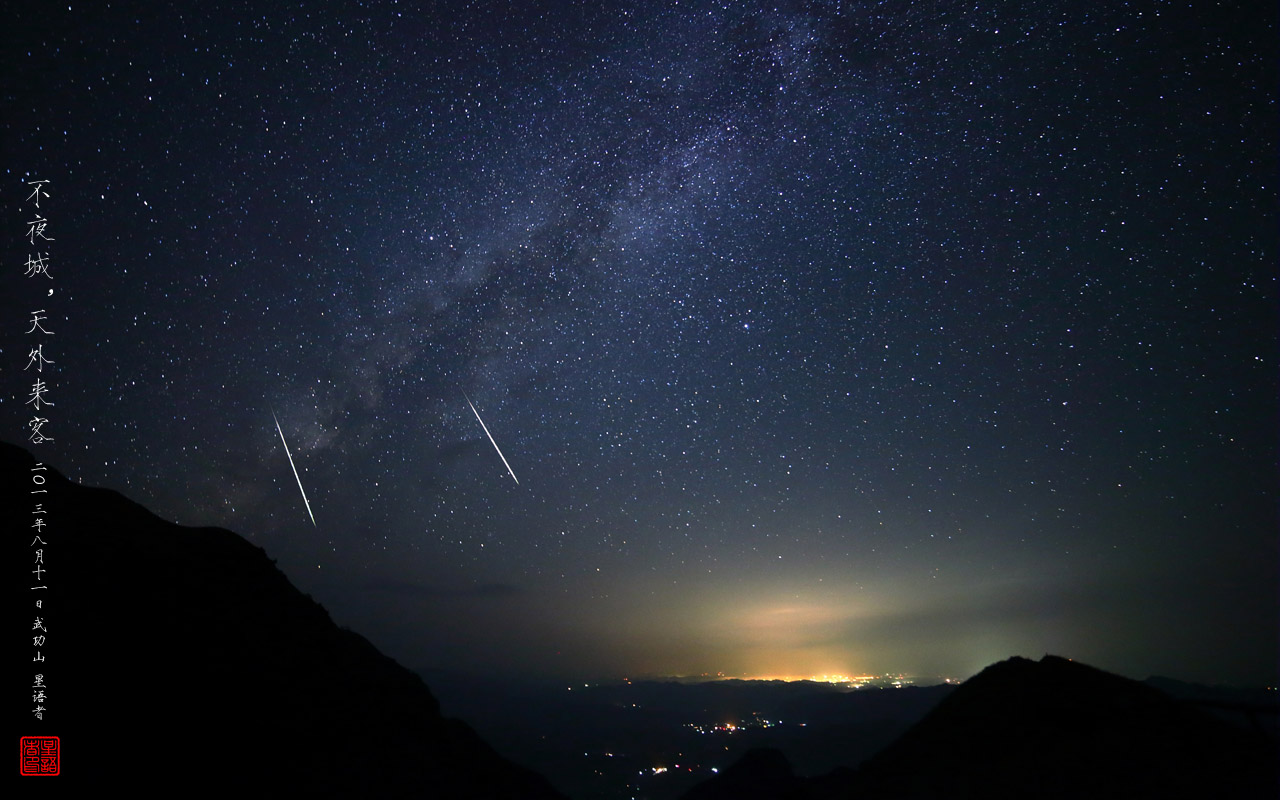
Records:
x=295, y=469
x=490, y=435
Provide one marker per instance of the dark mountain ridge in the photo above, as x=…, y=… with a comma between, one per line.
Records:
x=180, y=658
x=1058, y=728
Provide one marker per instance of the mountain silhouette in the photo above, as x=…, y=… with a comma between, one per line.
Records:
x=761, y=772
x=180, y=659
x=1048, y=729
x=1057, y=728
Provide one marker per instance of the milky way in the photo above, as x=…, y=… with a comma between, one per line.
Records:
x=828, y=337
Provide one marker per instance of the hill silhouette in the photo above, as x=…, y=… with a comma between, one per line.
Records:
x=1057, y=728
x=181, y=658
x=1048, y=729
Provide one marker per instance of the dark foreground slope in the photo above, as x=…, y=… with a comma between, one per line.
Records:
x=178, y=659
x=1047, y=729
x=1057, y=728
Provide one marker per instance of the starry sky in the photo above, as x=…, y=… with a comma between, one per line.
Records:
x=822, y=337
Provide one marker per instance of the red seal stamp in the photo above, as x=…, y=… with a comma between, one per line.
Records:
x=39, y=755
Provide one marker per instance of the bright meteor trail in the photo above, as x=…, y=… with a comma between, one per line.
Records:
x=295, y=469
x=490, y=435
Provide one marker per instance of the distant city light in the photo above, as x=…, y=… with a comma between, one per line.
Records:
x=847, y=681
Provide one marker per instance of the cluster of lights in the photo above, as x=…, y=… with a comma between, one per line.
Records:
x=848, y=681
x=733, y=727
x=659, y=770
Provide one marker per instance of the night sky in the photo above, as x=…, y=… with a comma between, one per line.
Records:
x=822, y=337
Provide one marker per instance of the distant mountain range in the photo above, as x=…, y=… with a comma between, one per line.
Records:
x=181, y=660
x=605, y=741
